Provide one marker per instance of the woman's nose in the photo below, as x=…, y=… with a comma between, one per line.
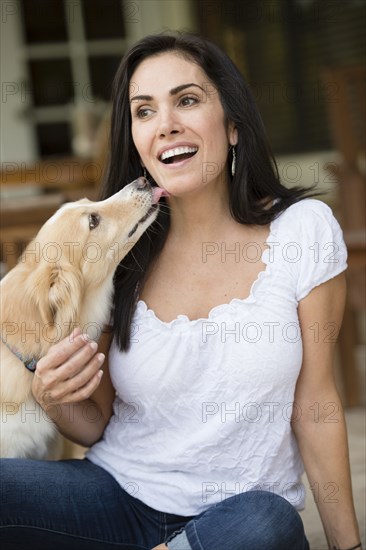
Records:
x=168, y=124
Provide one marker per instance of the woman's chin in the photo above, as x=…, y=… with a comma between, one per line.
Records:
x=180, y=186
x=185, y=187
x=179, y=191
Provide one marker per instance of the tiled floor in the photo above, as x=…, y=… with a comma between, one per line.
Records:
x=356, y=421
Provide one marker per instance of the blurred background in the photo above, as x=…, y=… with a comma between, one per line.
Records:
x=305, y=62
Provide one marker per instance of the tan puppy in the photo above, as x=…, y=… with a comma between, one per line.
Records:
x=64, y=279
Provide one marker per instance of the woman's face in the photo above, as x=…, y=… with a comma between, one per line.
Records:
x=178, y=124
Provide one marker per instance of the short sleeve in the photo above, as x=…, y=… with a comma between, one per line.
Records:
x=322, y=250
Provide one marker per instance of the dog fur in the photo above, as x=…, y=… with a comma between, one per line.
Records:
x=64, y=279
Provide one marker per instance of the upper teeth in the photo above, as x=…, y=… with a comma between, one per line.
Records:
x=177, y=151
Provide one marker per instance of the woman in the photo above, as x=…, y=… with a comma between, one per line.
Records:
x=219, y=382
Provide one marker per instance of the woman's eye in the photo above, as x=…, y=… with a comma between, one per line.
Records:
x=187, y=101
x=143, y=113
x=94, y=220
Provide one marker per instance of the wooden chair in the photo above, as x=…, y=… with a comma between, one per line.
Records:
x=54, y=181
x=20, y=220
x=37, y=190
x=347, y=118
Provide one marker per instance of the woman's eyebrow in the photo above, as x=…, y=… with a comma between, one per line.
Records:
x=173, y=91
x=182, y=87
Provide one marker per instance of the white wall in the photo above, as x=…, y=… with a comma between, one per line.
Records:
x=306, y=169
x=17, y=139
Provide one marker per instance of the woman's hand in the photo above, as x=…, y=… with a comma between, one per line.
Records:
x=69, y=373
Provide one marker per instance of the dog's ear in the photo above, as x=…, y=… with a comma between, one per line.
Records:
x=65, y=295
x=57, y=291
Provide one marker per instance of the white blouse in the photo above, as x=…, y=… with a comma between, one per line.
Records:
x=202, y=409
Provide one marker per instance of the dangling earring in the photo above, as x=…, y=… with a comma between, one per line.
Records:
x=145, y=173
x=233, y=163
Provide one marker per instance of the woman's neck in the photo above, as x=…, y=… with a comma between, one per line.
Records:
x=200, y=216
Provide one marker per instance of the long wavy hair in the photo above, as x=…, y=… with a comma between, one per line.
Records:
x=256, y=181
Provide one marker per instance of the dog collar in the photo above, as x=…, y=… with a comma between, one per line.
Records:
x=29, y=363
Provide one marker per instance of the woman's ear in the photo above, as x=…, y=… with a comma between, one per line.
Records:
x=232, y=134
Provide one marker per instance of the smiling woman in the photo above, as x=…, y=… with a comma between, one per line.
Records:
x=179, y=128
x=213, y=370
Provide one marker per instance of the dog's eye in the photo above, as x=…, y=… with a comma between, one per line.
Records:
x=94, y=220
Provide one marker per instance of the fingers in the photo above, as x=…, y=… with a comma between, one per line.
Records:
x=69, y=372
x=59, y=395
x=83, y=392
x=82, y=376
x=60, y=352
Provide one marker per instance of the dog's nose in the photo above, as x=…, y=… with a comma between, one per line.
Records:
x=142, y=183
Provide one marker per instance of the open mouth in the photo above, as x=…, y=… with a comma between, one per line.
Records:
x=177, y=154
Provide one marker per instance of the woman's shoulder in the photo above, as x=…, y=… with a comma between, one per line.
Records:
x=307, y=215
x=314, y=243
x=309, y=206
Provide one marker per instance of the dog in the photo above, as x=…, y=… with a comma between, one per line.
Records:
x=63, y=279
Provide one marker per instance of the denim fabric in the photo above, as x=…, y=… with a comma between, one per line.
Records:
x=75, y=504
x=179, y=542
x=252, y=520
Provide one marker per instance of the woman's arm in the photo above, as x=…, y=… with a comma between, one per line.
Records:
x=69, y=387
x=320, y=429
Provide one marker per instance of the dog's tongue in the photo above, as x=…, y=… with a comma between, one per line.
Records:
x=157, y=193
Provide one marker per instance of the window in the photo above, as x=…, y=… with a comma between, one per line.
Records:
x=102, y=69
x=73, y=50
x=52, y=81
x=102, y=19
x=44, y=21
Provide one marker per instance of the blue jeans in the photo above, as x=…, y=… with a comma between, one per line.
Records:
x=75, y=504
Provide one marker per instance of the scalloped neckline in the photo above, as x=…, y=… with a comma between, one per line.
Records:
x=183, y=319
